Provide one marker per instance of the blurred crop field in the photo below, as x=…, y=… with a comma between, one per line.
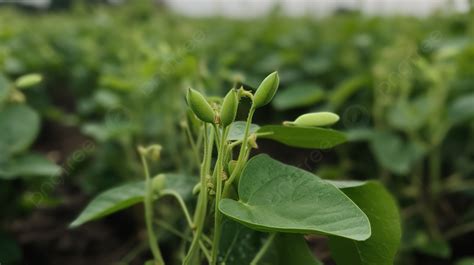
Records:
x=115, y=77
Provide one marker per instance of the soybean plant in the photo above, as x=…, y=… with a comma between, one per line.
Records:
x=257, y=210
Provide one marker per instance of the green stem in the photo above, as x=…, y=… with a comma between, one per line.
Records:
x=201, y=208
x=242, y=154
x=148, y=203
x=263, y=250
x=181, y=203
x=219, y=168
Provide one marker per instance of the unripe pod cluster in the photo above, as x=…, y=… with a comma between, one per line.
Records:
x=316, y=119
x=199, y=105
x=266, y=90
x=229, y=108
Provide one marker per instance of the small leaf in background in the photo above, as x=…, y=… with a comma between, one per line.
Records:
x=436, y=248
x=297, y=96
x=346, y=89
x=111, y=201
x=29, y=80
x=237, y=129
x=410, y=116
x=129, y=194
x=462, y=109
x=382, y=211
x=394, y=153
x=19, y=126
x=29, y=165
x=303, y=137
x=277, y=197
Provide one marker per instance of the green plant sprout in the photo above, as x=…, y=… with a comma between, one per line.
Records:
x=257, y=210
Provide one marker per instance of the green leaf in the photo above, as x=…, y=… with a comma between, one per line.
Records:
x=298, y=96
x=124, y=196
x=291, y=249
x=346, y=89
x=410, y=116
x=240, y=244
x=461, y=109
x=303, y=137
x=437, y=248
x=394, y=153
x=19, y=126
x=382, y=211
x=29, y=165
x=237, y=130
x=277, y=197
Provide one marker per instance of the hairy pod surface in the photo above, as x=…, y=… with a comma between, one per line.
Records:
x=266, y=90
x=199, y=105
x=229, y=108
x=316, y=119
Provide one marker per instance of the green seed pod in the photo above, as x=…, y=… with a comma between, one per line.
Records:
x=266, y=90
x=29, y=80
x=158, y=182
x=199, y=105
x=316, y=119
x=229, y=108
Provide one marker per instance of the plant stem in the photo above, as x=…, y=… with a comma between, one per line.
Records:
x=219, y=169
x=148, y=203
x=242, y=153
x=263, y=250
x=201, y=208
x=181, y=203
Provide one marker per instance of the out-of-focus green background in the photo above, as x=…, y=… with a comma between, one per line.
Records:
x=114, y=77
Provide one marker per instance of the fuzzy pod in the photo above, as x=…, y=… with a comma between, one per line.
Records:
x=316, y=119
x=158, y=183
x=199, y=105
x=229, y=108
x=28, y=80
x=266, y=90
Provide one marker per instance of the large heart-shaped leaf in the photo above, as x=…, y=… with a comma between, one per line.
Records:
x=298, y=96
x=303, y=137
x=382, y=210
x=19, y=125
x=28, y=165
x=277, y=197
x=124, y=196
